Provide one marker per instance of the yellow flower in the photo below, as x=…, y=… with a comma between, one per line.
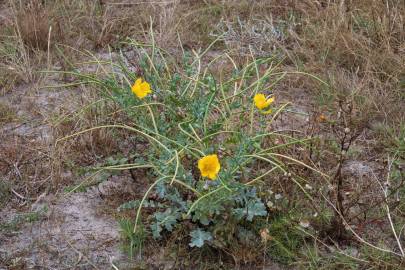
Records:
x=261, y=102
x=209, y=166
x=141, y=88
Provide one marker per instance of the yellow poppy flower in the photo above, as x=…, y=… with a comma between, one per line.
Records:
x=209, y=166
x=141, y=88
x=261, y=102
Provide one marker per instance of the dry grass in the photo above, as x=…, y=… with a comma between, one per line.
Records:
x=33, y=24
x=355, y=40
x=7, y=114
x=24, y=167
x=356, y=46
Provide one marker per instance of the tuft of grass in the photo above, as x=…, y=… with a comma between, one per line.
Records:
x=33, y=24
x=132, y=241
x=7, y=113
x=5, y=192
x=285, y=240
x=21, y=219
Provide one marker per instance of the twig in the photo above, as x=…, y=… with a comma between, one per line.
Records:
x=385, y=192
x=19, y=195
x=358, y=237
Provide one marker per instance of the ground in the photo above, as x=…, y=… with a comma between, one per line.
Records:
x=56, y=215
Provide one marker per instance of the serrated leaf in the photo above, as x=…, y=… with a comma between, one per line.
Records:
x=129, y=205
x=166, y=219
x=177, y=200
x=161, y=189
x=156, y=230
x=202, y=217
x=252, y=208
x=198, y=237
x=255, y=209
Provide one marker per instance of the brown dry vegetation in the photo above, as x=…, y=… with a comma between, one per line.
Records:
x=357, y=47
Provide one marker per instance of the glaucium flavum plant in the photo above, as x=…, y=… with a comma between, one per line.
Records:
x=209, y=147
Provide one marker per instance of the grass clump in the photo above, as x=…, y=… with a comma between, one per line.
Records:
x=4, y=192
x=19, y=220
x=7, y=114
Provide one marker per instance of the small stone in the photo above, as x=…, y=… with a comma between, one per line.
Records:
x=304, y=223
x=270, y=204
x=264, y=234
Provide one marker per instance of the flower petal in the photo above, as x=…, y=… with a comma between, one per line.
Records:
x=270, y=100
x=212, y=176
x=138, y=81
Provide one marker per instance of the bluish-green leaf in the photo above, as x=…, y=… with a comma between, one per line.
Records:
x=198, y=237
x=166, y=219
x=252, y=208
